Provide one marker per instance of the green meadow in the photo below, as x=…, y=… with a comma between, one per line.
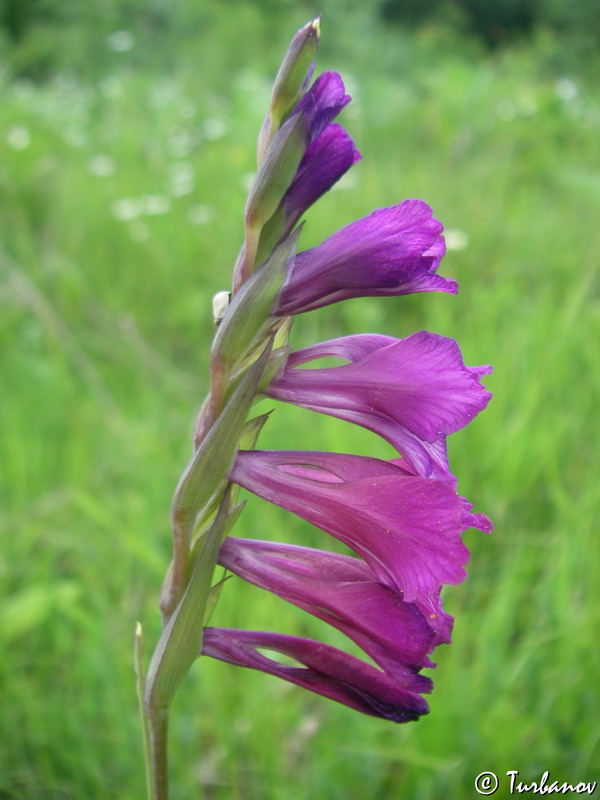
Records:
x=121, y=201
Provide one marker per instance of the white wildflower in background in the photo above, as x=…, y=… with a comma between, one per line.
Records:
x=347, y=181
x=456, y=239
x=352, y=87
x=246, y=180
x=574, y=105
x=120, y=41
x=150, y=205
x=181, y=144
x=154, y=204
x=200, y=214
x=566, y=89
x=214, y=128
x=181, y=179
x=18, y=138
x=126, y=208
x=101, y=166
x=165, y=91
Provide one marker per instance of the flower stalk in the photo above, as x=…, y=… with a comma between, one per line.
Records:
x=402, y=519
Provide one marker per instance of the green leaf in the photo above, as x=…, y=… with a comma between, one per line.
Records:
x=210, y=464
x=252, y=431
x=249, y=314
x=213, y=597
x=181, y=640
x=140, y=675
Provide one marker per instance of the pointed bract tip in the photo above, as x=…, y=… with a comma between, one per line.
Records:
x=294, y=73
x=315, y=25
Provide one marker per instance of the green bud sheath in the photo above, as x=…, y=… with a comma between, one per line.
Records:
x=291, y=78
x=290, y=83
x=248, y=316
x=213, y=458
x=179, y=644
x=276, y=172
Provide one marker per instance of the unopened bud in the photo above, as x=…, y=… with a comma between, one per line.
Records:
x=291, y=82
x=295, y=68
x=276, y=171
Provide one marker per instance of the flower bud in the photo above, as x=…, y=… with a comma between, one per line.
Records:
x=276, y=172
x=294, y=72
x=291, y=82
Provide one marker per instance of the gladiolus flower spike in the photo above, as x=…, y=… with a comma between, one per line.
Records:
x=401, y=519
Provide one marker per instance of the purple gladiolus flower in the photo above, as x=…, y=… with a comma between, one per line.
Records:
x=402, y=518
x=329, y=157
x=325, y=153
x=393, y=251
x=345, y=593
x=322, y=103
x=407, y=528
x=330, y=151
x=412, y=392
x=322, y=669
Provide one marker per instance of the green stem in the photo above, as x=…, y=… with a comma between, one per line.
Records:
x=140, y=672
x=159, y=725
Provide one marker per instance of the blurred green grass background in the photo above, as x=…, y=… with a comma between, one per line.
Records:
x=125, y=157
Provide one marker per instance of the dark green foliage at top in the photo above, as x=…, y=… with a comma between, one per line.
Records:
x=494, y=22
x=499, y=21
x=40, y=37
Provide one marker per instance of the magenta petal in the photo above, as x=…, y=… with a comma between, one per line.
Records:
x=326, y=160
x=436, y=252
x=479, y=521
x=326, y=671
x=438, y=620
x=352, y=348
x=323, y=102
x=393, y=251
x=344, y=592
x=413, y=392
x=407, y=528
